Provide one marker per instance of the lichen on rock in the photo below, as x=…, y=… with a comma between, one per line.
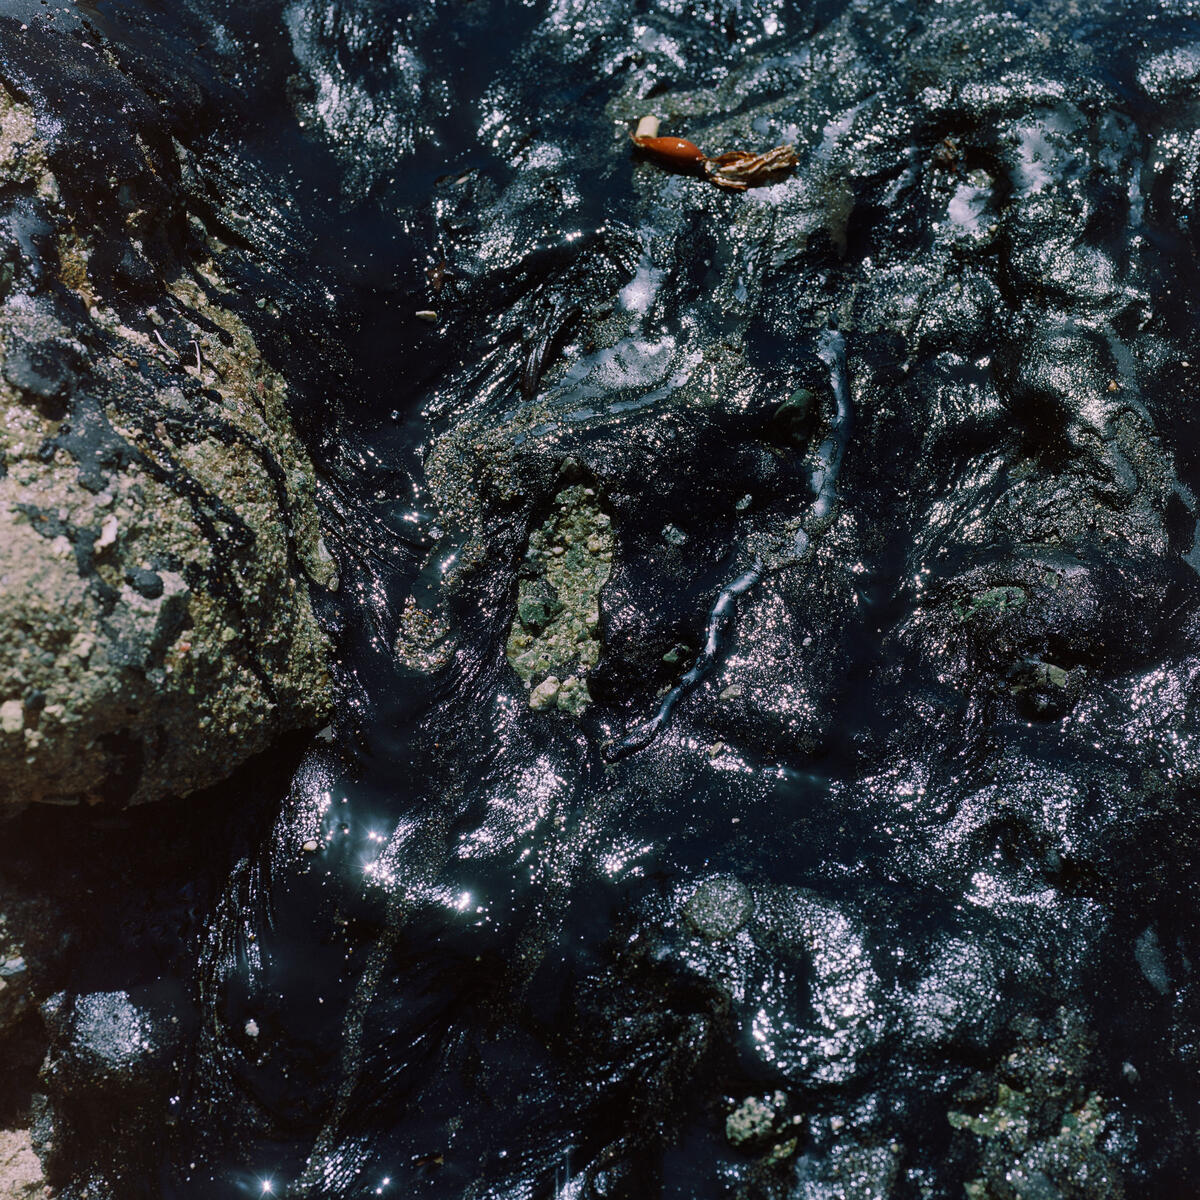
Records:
x=556, y=629
x=158, y=527
x=1040, y=1126
x=423, y=640
x=763, y=1125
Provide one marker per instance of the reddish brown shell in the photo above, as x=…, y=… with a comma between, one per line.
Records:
x=672, y=149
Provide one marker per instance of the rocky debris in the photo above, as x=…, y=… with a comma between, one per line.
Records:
x=1039, y=1126
x=159, y=550
x=16, y=995
x=423, y=640
x=852, y=1172
x=158, y=529
x=763, y=1125
x=557, y=623
x=545, y=695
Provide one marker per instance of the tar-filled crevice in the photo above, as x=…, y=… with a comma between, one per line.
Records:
x=759, y=631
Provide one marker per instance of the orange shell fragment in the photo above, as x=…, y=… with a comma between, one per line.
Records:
x=736, y=170
x=675, y=150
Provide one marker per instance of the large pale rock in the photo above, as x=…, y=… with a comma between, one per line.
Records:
x=158, y=534
x=20, y=1172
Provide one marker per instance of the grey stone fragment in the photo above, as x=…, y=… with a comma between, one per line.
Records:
x=146, y=583
x=545, y=694
x=719, y=907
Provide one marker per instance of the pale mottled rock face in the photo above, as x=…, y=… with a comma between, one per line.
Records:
x=158, y=534
x=20, y=1172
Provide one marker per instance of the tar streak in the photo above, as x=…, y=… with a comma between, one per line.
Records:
x=831, y=347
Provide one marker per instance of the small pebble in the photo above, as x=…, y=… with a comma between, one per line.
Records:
x=426, y=314
x=545, y=694
x=251, y=1028
x=310, y=846
x=12, y=716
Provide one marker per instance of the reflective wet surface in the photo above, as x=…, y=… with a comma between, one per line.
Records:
x=896, y=899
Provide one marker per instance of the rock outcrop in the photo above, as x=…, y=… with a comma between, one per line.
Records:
x=158, y=528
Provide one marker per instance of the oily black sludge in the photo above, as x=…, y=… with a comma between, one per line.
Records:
x=765, y=629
